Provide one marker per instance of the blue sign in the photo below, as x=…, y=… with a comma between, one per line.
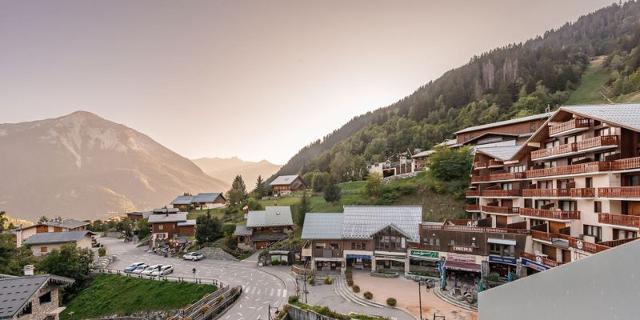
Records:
x=503, y=260
x=533, y=264
x=358, y=256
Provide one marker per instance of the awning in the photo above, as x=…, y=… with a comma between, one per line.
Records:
x=507, y=242
x=462, y=266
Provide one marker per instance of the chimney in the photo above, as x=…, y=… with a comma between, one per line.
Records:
x=28, y=270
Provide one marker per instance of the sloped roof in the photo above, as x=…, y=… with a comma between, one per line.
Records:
x=181, y=200
x=205, y=197
x=506, y=122
x=242, y=230
x=56, y=237
x=16, y=292
x=360, y=222
x=284, y=180
x=425, y=153
x=270, y=217
x=322, y=226
x=186, y=223
x=502, y=153
x=624, y=115
x=165, y=210
x=171, y=217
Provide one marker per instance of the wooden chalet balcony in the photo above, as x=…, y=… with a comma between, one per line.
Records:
x=327, y=253
x=549, y=214
x=590, y=143
x=500, y=210
x=615, y=243
x=544, y=260
x=619, y=219
x=495, y=163
x=480, y=165
x=582, y=192
x=626, y=164
x=458, y=228
x=547, y=236
x=586, y=246
x=472, y=193
x=571, y=169
x=619, y=192
x=498, y=177
x=545, y=192
x=502, y=193
x=568, y=126
x=472, y=207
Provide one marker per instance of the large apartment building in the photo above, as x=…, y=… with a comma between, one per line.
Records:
x=574, y=184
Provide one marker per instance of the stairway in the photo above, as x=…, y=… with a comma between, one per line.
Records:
x=447, y=298
x=343, y=290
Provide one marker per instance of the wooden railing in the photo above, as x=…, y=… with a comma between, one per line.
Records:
x=597, y=142
x=569, y=125
x=479, y=165
x=619, y=219
x=327, y=253
x=546, y=193
x=502, y=210
x=583, y=192
x=576, y=146
x=626, y=164
x=474, y=229
x=544, y=260
x=586, y=246
x=615, y=243
x=619, y=192
x=495, y=163
x=568, y=170
x=549, y=214
x=472, y=207
x=561, y=149
x=498, y=176
x=501, y=193
x=472, y=193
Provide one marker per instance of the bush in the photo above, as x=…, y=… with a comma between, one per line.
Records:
x=391, y=302
x=275, y=262
x=368, y=295
x=328, y=280
x=355, y=289
x=312, y=280
x=493, y=277
x=349, y=282
x=102, y=252
x=293, y=299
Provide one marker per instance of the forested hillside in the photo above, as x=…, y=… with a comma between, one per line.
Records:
x=512, y=81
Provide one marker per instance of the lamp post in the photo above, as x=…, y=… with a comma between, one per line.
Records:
x=420, y=298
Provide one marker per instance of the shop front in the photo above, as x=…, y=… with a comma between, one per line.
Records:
x=534, y=265
x=502, y=265
x=328, y=264
x=463, y=267
x=423, y=262
x=359, y=261
x=389, y=262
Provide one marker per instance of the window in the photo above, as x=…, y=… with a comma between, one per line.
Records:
x=43, y=249
x=536, y=222
x=358, y=245
x=588, y=182
x=507, y=186
x=568, y=205
x=160, y=227
x=593, y=231
x=452, y=242
x=26, y=310
x=623, y=234
x=501, y=250
x=520, y=168
x=597, y=206
x=550, y=164
x=45, y=298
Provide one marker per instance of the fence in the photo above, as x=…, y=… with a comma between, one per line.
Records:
x=196, y=280
x=210, y=306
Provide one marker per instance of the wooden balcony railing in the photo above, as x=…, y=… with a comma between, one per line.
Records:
x=472, y=193
x=549, y=214
x=498, y=176
x=472, y=207
x=619, y=219
x=619, y=192
x=327, y=253
x=626, y=164
x=586, y=246
x=615, y=243
x=474, y=229
x=544, y=260
x=583, y=192
x=495, y=163
x=501, y=210
x=577, y=146
x=568, y=170
x=502, y=193
x=479, y=165
x=569, y=125
x=546, y=193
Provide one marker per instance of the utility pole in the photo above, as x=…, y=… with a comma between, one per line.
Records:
x=420, y=298
x=305, y=286
x=269, y=312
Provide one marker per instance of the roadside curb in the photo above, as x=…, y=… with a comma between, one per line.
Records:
x=442, y=296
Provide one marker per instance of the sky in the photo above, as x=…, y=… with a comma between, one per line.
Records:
x=253, y=79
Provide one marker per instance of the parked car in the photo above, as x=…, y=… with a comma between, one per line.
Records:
x=193, y=256
x=164, y=270
x=140, y=268
x=133, y=267
x=150, y=269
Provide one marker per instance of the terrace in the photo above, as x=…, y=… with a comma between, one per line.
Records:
x=500, y=210
x=586, y=145
x=560, y=193
x=619, y=192
x=569, y=127
x=619, y=220
x=549, y=214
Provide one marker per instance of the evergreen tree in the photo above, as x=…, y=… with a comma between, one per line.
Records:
x=43, y=219
x=331, y=191
x=208, y=228
x=373, y=188
x=303, y=208
x=238, y=193
x=3, y=220
x=260, y=189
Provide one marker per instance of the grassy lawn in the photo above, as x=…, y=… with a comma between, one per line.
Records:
x=593, y=80
x=113, y=294
x=217, y=212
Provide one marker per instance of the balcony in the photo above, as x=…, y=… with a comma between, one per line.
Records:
x=583, y=192
x=619, y=220
x=619, y=192
x=472, y=193
x=550, y=214
x=500, y=210
x=568, y=127
x=590, y=167
x=327, y=253
x=471, y=207
x=501, y=193
x=480, y=165
x=498, y=177
x=546, y=193
x=540, y=259
x=590, y=144
x=626, y=164
x=495, y=164
x=586, y=246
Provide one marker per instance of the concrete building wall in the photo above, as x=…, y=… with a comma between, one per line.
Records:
x=601, y=286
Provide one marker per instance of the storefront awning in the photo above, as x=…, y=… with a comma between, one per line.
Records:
x=508, y=242
x=462, y=266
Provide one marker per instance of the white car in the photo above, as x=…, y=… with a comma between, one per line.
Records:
x=193, y=256
x=164, y=270
x=133, y=266
x=140, y=268
x=149, y=270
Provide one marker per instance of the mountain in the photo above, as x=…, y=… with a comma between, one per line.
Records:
x=226, y=169
x=598, y=52
x=86, y=167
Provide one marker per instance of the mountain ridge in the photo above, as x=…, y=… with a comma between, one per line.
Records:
x=226, y=169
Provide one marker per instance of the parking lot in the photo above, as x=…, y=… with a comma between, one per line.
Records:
x=262, y=287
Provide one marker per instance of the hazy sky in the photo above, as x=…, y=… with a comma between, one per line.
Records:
x=255, y=79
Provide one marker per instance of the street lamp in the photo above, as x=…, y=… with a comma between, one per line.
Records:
x=420, y=298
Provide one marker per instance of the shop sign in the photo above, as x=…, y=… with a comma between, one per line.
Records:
x=503, y=260
x=533, y=264
x=424, y=254
x=462, y=249
x=464, y=258
x=358, y=256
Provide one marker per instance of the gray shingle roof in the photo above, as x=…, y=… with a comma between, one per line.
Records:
x=187, y=223
x=506, y=122
x=360, y=222
x=270, y=217
x=322, y=226
x=284, y=180
x=242, y=231
x=501, y=153
x=67, y=223
x=182, y=200
x=205, y=197
x=56, y=237
x=171, y=217
x=16, y=292
x=625, y=115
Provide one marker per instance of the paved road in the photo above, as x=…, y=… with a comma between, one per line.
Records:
x=262, y=286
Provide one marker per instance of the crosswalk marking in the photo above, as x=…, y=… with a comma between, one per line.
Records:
x=271, y=293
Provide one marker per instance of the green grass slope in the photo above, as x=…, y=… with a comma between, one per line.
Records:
x=113, y=294
x=592, y=85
